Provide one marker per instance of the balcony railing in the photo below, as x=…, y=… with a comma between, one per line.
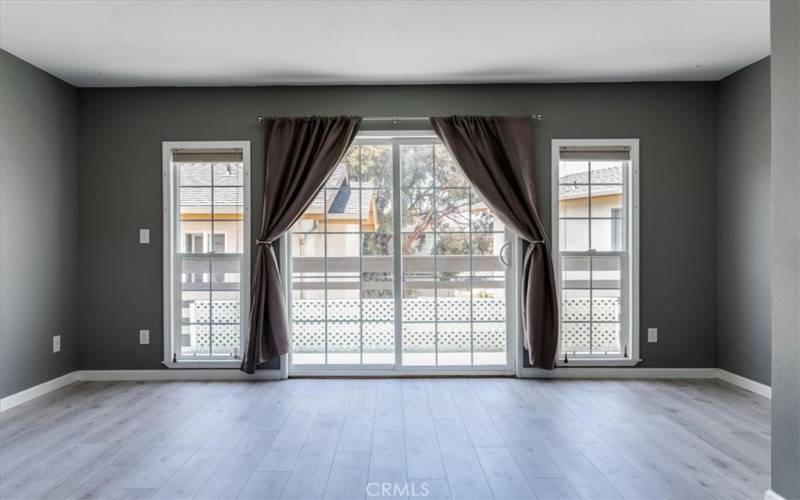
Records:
x=346, y=333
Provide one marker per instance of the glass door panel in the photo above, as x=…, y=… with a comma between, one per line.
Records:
x=397, y=263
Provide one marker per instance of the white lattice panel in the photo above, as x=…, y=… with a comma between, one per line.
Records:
x=415, y=309
x=379, y=337
x=603, y=309
x=225, y=311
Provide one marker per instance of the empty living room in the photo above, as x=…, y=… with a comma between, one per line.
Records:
x=400, y=249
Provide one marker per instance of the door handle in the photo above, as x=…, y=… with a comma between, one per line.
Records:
x=501, y=255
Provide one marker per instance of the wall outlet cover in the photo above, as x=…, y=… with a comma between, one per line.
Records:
x=144, y=236
x=144, y=336
x=652, y=335
x=56, y=343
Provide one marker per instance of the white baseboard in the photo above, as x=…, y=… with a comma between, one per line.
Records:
x=771, y=495
x=608, y=372
x=618, y=372
x=184, y=374
x=34, y=392
x=745, y=383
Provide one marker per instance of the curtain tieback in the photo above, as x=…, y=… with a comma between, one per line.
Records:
x=263, y=242
x=537, y=242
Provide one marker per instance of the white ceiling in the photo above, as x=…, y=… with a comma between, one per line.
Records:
x=144, y=43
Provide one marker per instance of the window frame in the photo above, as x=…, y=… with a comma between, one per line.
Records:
x=630, y=262
x=171, y=277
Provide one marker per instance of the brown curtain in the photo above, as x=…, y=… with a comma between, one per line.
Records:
x=496, y=155
x=300, y=155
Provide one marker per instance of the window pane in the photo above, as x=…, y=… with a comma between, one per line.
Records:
x=488, y=299
x=452, y=210
x=607, y=235
x=419, y=299
x=376, y=166
x=417, y=210
x=573, y=235
x=225, y=340
x=416, y=166
x=573, y=200
x=351, y=163
x=489, y=341
x=570, y=172
x=575, y=305
x=376, y=211
x=607, y=172
x=193, y=236
x=379, y=343
x=454, y=342
x=419, y=344
x=607, y=305
x=344, y=343
x=483, y=220
x=194, y=174
x=308, y=343
x=229, y=174
x=195, y=340
x=606, y=272
x=606, y=338
x=343, y=210
x=195, y=290
x=417, y=251
x=575, y=338
x=575, y=272
x=607, y=201
x=226, y=307
x=448, y=173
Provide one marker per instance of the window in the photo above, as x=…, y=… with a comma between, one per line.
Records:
x=206, y=250
x=397, y=264
x=595, y=237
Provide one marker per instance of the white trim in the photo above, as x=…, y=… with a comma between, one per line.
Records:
x=610, y=373
x=630, y=290
x=36, y=391
x=201, y=374
x=213, y=364
x=169, y=273
x=771, y=495
x=744, y=383
x=598, y=362
x=405, y=373
x=620, y=373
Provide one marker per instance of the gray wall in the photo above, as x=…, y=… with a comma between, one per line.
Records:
x=120, y=183
x=743, y=215
x=38, y=217
x=785, y=64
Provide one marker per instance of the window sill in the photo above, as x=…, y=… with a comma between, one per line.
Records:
x=205, y=364
x=581, y=363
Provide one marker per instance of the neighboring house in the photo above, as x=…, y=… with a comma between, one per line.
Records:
x=341, y=207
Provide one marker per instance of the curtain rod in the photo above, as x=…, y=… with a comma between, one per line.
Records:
x=537, y=117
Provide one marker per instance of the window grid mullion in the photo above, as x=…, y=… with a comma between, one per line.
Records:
x=210, y=249
x=360, y=262
x=435, y=263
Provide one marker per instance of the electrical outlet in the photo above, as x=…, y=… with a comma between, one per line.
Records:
x=652, y=335
x=56, y=343
x=144, y=336
x=144, y=236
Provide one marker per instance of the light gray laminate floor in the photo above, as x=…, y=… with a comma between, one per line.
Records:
x=335, y=438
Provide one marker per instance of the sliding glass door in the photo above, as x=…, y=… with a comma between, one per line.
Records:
x=398, y=263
